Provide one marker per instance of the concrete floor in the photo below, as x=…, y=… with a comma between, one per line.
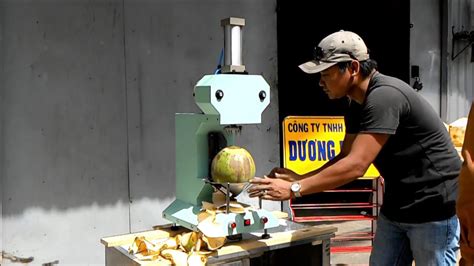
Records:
x=355, y=257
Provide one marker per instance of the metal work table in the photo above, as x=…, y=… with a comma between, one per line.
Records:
x=290, y=244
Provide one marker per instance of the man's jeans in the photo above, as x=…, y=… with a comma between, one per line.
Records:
x=432, y=243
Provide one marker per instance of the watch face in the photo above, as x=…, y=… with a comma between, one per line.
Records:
x=295, y=187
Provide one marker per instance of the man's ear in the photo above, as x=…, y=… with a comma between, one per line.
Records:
x=355, y=68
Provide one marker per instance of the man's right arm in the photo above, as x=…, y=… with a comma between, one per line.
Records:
x=289, y=175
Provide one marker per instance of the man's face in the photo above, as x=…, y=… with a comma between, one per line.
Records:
x=335, y=82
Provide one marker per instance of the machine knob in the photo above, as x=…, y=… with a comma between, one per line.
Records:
x=219, y=95
x=264, y=220
x=262, y=95
x=232, y=225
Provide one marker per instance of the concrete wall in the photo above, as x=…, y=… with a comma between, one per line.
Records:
x=2, y=150
x=65, y=171
x=425, y=49
x=460, y=92
x=447, y=84
x=89, y=92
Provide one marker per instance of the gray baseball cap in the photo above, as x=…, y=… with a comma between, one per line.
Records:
x=337, y=47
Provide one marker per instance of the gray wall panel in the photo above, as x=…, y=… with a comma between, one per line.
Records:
x=65, y=175
x=425, y=51
x=90, y=96
x=460, y=71
x=425, y=40
x=2, y=139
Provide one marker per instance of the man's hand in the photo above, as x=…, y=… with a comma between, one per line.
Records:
x=285, y=174
x=270, y=188
x=468, y=162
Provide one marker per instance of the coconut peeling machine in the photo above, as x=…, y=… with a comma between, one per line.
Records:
x=228, y=100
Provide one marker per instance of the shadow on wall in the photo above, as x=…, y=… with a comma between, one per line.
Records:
x=91, y=92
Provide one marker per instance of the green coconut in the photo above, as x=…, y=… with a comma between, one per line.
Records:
x=232, y=164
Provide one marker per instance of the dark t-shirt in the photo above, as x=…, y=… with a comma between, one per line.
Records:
x=418, y=162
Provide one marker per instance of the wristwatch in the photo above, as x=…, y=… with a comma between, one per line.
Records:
x=296, y=189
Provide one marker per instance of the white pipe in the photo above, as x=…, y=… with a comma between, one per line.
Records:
x=236, y=48
x=233, y=45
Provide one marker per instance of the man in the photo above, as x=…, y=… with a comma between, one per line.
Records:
x=465, y=203
x=392, y=126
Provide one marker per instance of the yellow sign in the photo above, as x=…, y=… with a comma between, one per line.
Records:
x=311, y=141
